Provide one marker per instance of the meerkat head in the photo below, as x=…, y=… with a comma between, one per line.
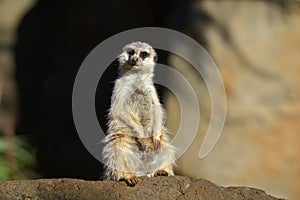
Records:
x=137, y=56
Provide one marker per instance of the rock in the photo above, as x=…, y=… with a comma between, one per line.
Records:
x=204, y=189
x=177, y=187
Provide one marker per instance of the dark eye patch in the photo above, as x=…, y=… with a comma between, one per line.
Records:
x=144, y=54
x=130, y=52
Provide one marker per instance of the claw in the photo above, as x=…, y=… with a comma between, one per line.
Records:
x=156, y=144
x=141, y=143
x=132, y=181
x=142, y=146
x=161, y=173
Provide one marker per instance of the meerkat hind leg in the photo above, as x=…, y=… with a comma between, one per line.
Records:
x=130, y=179
x=168, y=171
x=122, y=161
x=165, y=157
x=161, y=173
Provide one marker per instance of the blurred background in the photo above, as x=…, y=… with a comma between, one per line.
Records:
x=255, y=44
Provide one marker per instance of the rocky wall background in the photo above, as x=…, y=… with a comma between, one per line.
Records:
x=14, y=151
x=256, y=45
x=11, y=13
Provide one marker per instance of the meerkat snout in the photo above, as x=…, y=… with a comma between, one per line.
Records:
x=133, y=61
x=137, y=56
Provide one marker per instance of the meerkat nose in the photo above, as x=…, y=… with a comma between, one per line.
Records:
x=133, y=61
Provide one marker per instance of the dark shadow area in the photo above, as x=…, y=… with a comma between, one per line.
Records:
x=53, y=40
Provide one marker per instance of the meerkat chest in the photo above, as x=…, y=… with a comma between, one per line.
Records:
x=139, y=91
x=141, y=104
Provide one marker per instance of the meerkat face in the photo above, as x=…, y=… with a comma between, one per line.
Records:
x=139, y=56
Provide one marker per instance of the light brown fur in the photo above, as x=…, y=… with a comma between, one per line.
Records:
x=137, y=143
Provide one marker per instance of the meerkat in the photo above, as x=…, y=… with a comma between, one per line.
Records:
x=137, y=143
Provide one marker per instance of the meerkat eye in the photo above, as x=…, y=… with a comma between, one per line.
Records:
x=144, y=54
x=130, y=52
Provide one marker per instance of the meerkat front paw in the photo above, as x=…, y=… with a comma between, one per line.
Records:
x=156, y=144
x=142, y=143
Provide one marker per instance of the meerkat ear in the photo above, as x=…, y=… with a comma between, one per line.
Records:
x=155, y=58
